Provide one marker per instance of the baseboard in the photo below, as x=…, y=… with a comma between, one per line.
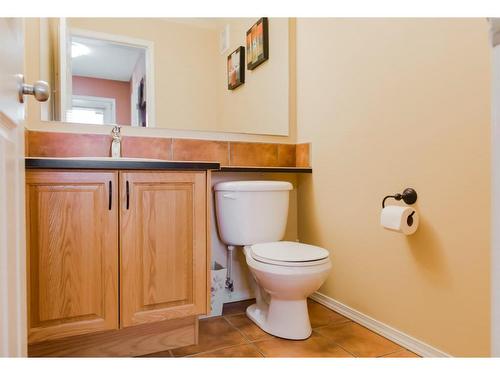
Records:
x=406, y=341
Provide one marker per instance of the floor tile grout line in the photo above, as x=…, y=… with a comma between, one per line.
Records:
x=247, y=337
x=396, y=351
x=378, y=334
x=236, y=328
x=340, y=346
x=251, y=342
x=380, y=356
x=361, y=325
x=329, y=309
x=222, y=347
x=335, y=324
x=332, y=324
x=336, y=343
x=257, y=348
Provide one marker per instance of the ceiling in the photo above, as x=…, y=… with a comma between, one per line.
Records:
x=105, y=59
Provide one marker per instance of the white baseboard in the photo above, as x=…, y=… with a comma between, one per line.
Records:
x=400, y=338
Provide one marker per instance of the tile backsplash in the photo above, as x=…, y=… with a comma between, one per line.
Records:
x=54, y=144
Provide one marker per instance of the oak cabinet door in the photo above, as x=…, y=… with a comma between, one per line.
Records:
x=162, y=246
x=72, y=227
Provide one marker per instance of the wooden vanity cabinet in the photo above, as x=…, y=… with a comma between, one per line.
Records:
x=114, y=249
x=72, y=241
x=163, y=261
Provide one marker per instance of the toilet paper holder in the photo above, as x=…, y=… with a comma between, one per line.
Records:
x=409, y=196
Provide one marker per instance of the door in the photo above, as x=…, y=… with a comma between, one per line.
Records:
x=12, y=242
x=72, y=225
x=162, y=246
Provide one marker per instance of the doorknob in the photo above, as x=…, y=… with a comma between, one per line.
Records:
x=40, y=90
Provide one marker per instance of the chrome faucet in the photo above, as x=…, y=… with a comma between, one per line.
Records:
x=116, y=151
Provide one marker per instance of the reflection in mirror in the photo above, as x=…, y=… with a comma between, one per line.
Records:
x=99, y=78
x=107, y=83
x=163, y=73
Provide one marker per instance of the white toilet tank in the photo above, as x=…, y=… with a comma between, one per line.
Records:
x=251, y=212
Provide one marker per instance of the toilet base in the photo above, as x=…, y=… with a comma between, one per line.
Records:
x=288, y=319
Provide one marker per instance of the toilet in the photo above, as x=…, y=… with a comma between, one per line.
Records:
x=253, y=214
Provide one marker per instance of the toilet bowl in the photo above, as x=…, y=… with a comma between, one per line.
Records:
x=284, y=283
x=253, y=214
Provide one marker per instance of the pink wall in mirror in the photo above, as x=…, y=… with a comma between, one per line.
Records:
x=106, y=88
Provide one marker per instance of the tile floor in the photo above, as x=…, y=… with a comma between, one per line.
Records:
x=234, y=335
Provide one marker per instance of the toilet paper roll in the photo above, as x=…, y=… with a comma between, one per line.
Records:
x=401, y=219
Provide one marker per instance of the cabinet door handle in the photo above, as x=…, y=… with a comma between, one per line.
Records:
x=128, y=194
x=110, y=191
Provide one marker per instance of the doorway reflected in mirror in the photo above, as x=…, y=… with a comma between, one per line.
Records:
x=107, y=82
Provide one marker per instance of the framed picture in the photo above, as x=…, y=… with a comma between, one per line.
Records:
x=258, y=43
x=236, y=68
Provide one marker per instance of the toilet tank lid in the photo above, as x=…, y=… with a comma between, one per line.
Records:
x=253, y=186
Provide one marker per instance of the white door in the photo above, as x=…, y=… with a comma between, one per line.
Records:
x=12, y=228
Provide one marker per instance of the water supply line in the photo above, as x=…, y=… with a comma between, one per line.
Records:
x=229, y=280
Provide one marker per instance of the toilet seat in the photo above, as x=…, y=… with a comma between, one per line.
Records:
x=289, y=254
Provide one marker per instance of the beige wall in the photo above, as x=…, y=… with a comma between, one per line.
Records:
x=192, y=99
x=389, y=104
x=261, y=104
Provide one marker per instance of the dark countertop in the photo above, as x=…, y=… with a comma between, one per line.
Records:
x=147, y=164
x=82, y=163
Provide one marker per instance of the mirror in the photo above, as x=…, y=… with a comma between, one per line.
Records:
x=167, y=73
